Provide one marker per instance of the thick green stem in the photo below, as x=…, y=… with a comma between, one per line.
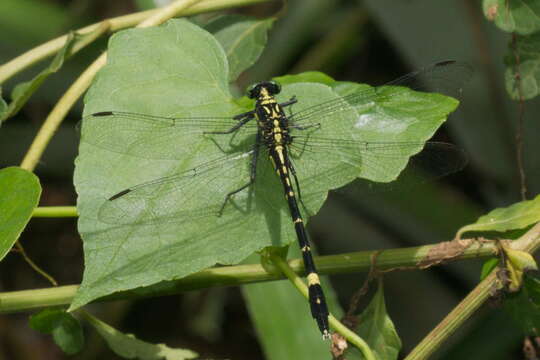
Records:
x=55, y=212
x=407, y=258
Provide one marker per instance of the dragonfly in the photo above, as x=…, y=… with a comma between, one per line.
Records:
x=276, y=132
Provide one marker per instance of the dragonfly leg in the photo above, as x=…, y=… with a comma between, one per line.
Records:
x=305, y=127
x=291, y=101
x=252, y=174
x=294, y=144
x=297, y=185
x=231, y=194
x=241, y=122
x=244, y=115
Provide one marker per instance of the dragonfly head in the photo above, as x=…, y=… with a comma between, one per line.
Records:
x=268, y=88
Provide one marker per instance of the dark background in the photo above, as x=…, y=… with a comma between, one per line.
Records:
x=372, y=42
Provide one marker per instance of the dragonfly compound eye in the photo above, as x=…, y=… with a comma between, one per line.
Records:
x=271, y=87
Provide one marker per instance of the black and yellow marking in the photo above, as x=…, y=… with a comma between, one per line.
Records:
x=274, y=133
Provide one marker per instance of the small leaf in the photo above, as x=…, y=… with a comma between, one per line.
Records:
x=242, y=38
x=516, y=216
x=65, y=329
x=527, y=84
x=18, y=198
x=129, y=347
x=519, y=16
x=518, y=262
x=308, y=76
x=23, y=91
x=377, y=329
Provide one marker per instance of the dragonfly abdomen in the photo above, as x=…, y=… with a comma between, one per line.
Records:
x=319, y=309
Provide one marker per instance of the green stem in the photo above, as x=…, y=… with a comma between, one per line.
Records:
x=55, y=212
x=529, y=242
x=167, y=13
x=298, y=283
x=407, y=258
x=50, y=48
x=33, y=265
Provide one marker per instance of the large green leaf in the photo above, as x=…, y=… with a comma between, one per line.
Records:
x=242, y=38
x=527, y=84
x=377, y=328
x=18, y=198
x=520, y=16
x=66, y=330
x=180, y=70
x=517, y=216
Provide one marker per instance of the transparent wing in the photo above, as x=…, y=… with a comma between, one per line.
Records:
x=447, y=78
x=195, y=193
x=152, y=137
x=378, y=161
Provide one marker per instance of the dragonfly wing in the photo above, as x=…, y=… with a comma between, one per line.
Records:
x=151, y=137
x=379, y=161
x=195, y=193
x=446, y=78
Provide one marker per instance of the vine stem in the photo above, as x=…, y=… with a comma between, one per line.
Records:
x=33, y=265
x=48, y=49
x=529, y=242
x=403, y=258
x=298, y=283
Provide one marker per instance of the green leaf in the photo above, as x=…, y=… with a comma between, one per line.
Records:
x=377, y=329
x=23, y=91
x=308, y=76
x=180, y=70
x=65, y=329
x=243, y=39
x=129, y=347
x=528, y=83
x=525, y=305
x=519, y=16
x=18, y=198
x=516, y=216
